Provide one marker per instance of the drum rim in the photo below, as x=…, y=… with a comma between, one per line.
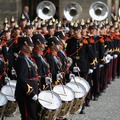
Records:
x=88, y=86
x=5, y=99
x=80, y=85
x=67, y=88
x=60, y=101
x=13, y=100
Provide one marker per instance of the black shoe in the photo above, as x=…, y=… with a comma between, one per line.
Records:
x=95, y=98
x=87, y=103
x=82, y=111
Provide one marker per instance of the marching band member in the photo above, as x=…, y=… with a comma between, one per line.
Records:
x=53, y=59
x=43, y=67
x=27, y=80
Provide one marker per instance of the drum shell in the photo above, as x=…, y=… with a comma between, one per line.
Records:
x=3, y=102
x=46, y=113
x=77, y=105
x=11, y=106
x=66, y=101
x=79, y=100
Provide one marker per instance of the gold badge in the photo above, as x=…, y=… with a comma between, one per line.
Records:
x=77, y=57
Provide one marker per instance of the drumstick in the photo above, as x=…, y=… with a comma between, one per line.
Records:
x=63, y=87
x=75, y=81
x=8, y=95
x=78, y=71
x=61, y=94
x=51, y=89
x=44, y=100
x=77, y=92
x=10, y=86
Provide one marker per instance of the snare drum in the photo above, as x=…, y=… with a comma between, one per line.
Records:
x=67, y=96
x=80, y=93
x=9, y=91
x=51, y=103
x=12, y=82
x=83, y=82
x=3, y=102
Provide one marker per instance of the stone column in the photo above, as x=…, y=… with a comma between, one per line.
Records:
x=116, y=7
x=109, y=3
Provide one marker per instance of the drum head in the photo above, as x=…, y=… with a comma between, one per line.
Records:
x=9, y=91
x=49, y=100
x=79, y=89
x=67, y=96
x=12, y=82
x=83, y=82
x=3, y=99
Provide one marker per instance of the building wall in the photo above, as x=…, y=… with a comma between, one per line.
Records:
x=9, y=8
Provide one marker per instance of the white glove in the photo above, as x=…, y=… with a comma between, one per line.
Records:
x=59, y=76
x=76, y=69
x=90, y=71
x=7, y=79
x=115, y=56
x=100, y=65
x=71, y=76
x=107, y=59
x=48, y=80
x=94, y=68
x=34, y=97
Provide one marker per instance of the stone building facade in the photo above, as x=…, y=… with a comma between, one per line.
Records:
x=9, y=8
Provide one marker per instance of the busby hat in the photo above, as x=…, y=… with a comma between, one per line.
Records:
x=60, y=35
x=53, y=41
x=29, y=25
x=38, y=38
x=6, y=29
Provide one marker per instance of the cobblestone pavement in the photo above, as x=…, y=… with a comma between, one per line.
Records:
x=106, y=108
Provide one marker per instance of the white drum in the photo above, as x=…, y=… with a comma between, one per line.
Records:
x=3, y=99
x=67, y=96
x=83, y=82
x=80, y=93
x=51, y=103
x=9, y=91
x=12, y=82
x=3, y=102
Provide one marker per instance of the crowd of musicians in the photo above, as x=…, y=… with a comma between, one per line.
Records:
x=42, y=51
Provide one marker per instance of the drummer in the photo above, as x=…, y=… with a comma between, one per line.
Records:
x=27, y=80
x=43, y=67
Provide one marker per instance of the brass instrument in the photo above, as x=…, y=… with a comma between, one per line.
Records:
x=98, y=11
x=45, y=10
x=72, y=11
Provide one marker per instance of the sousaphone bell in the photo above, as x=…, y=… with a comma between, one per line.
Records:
x=45, y=10
x=72, y=11
x=98, y=11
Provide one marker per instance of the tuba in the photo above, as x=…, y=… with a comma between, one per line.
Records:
x=72, y=11
x=45, y=10
x=98, y=11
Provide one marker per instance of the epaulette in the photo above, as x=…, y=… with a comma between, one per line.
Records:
x=84, y=41
x=92, y=40
x=102, y=40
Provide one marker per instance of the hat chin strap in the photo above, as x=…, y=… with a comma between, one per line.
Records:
x=26, y=49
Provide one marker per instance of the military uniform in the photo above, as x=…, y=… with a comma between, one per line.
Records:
x=27, y=83
x=43, y=67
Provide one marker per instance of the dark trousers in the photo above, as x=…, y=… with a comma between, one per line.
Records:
x=28, y=109
x=95, y=77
